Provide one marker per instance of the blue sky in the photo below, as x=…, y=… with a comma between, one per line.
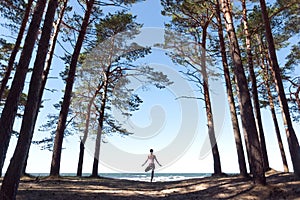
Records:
x=179, y=141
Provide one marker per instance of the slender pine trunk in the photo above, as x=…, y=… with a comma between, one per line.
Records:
x=234, y=119
x=11, y=105
x=48, y=64
x=100, y=125
x=86, y=131
x=290, y=132
x=12, y=177
x=254, y=89
x=56, y=156
x=277, y=130
x=95, y=169
x=271, y=102
x=15, y=50
x=246, y=109
x=209, y=114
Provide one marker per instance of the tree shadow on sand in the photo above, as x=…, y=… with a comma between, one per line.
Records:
x=280, y=186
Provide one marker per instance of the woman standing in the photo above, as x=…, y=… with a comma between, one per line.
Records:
x=151, y=166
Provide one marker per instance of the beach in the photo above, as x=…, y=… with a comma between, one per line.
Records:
x=279, y=186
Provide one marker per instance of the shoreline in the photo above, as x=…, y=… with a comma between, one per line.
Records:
x=279, y=186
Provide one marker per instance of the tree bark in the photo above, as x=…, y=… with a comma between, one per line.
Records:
x=11, y=105
x=86, y=131
x=209, y=114
x=277, y=130
x=246, y=109
x=271, y=103
x=100, y=125
x=50, y=54
x=290, y=132
x=56, y=156
x=254, y=90
x=211, y=131
x=234, y=119
x=97, y=150
x=15, y=50
x=12, y=177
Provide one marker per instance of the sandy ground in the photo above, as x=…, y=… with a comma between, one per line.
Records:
x=280, y=186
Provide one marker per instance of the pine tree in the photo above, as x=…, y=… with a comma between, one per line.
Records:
x=193, y=19
x=234, y=119
x=12, y=177
x=10, y=107
x=291, y=136
x=246, y=109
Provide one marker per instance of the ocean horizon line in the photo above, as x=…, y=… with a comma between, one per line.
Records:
x=138, y=176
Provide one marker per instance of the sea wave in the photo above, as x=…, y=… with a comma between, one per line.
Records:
x=158, y=177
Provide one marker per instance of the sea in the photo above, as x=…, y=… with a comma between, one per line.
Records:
x=158, y=177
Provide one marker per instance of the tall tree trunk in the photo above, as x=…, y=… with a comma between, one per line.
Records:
x=211, y=130
x=290, y=132
x=80, y=159
x=86, y=131
x=47, y=68
x=100, y=125
x=271, y=103
x=254, y=90
x=246, y=109
x=209, y=114
x=12, y=177
x=234, y=119
x=23, y=173
x=15, y=50
x=11, y=105
x=97, y=150
x=277, y=130
x=56, y=156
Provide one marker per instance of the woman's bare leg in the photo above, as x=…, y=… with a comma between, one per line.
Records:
x=152, y=175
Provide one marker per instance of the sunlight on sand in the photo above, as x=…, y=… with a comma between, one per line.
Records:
x=280, y=186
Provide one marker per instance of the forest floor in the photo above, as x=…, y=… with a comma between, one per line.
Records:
x=279, y=186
